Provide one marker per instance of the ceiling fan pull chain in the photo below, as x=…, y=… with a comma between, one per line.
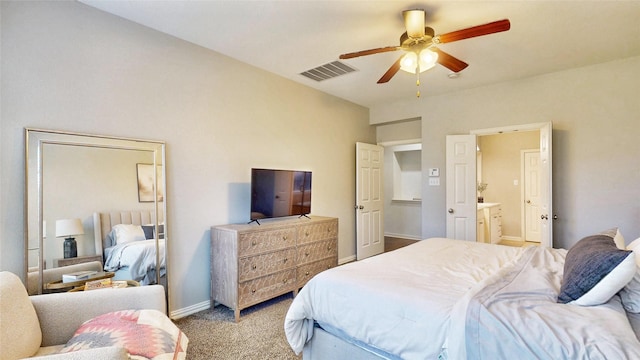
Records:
x=418, y=80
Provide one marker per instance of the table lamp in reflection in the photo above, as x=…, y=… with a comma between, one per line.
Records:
x=67, y=229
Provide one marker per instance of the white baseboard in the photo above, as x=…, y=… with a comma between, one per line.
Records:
x=346, y=260
x=184, y=312
x=403, y=236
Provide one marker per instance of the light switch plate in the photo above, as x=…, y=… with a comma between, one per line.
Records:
x=434, y=172
x=434, y=181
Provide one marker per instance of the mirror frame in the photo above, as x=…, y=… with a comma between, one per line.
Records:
x=35, y=139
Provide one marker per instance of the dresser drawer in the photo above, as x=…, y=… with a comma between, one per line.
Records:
x=257, y=242
x=265, y=264
x=316, y=251
x=317, y=231
x=306, y=272
x=267, y=287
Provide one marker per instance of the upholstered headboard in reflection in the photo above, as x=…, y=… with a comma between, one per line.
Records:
x=103, y=222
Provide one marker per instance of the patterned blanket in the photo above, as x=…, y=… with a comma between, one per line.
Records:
x=146, y=334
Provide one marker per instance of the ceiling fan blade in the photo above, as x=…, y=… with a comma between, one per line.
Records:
x=414, y=23
x=452, y=63
x=369, y=52
x=480, y=30
x=391, y=72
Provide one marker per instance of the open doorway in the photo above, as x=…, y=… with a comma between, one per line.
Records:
x=508, y=169
x=403, y=190
x=530, y=185
x=402, y=179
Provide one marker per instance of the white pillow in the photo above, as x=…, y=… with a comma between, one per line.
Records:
x=635, y=246
x=617, y=237
x=630, y=294
x=123, y=233
x=619, y=240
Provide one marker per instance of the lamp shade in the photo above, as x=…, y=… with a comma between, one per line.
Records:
x=69, y=227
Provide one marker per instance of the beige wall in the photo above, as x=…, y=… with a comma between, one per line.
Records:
x=67, y=66
x=594, y=111
x=501, y=156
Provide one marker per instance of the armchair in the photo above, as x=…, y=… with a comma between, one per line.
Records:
x=41, y=325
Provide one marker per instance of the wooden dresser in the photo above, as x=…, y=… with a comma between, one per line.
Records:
x=251, y=263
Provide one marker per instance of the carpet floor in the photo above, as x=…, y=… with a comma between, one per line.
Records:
x=213, y=333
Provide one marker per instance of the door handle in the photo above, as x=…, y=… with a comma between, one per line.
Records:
x=544, y=217
x=358, y=207
x=528, y=201
x=450, y=211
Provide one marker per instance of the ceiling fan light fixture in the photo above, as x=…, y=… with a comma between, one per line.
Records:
x=428, y=57
x=414, y=23
x=427, y=60
x=409, y=62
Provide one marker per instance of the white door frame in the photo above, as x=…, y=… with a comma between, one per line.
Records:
x=546, y=202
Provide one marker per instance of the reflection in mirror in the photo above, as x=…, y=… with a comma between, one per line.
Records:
x=95, y=183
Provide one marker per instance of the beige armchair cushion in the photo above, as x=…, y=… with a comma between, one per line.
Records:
x=20, y=334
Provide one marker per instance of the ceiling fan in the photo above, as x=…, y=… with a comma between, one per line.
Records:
x=419, y=43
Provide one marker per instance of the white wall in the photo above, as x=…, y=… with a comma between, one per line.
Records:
x=594, y=111
x=67, y=66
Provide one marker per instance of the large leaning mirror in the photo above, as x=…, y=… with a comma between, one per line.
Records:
x=95, y=205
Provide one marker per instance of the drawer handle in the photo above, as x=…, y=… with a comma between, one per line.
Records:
x=306, y=253
x=306, y=274
x=253, y=291
x=285, y=260
x=253, y=243
x=306, y=233
x=284, y=237
x=284, y=281
x=328, y=229
x=254, y=266
x=329, y=248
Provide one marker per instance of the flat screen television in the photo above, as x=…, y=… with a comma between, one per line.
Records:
x=278, y=193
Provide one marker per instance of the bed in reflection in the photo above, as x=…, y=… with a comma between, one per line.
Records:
x=129, y=243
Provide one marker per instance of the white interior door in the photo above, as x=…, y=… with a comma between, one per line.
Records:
x=546, y=208
x=531, y=195
x=369, y=196
x=461, y=187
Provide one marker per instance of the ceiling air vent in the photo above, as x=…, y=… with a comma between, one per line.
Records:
x=328, y=71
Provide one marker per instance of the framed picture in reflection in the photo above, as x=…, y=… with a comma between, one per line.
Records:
x=146, y=187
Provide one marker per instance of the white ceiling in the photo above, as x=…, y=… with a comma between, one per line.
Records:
x=289, y=37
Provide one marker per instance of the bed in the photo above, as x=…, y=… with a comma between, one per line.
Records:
x=128, y=242
x=450, y=299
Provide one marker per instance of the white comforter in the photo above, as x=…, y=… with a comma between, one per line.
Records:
x=399, y=303
x=457, y=299
x=138, y=256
